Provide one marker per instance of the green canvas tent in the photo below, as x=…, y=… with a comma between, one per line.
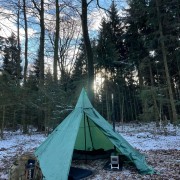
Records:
x=83, y=129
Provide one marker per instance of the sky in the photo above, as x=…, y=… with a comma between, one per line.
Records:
x=8, y=25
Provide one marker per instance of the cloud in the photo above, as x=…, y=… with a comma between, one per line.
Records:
x=8, y=25
x=95, y=18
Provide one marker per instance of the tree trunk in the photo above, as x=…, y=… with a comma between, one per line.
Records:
x=107, y=107
x=3, y=121
x=14, y=121
x=56, y=43
x=42, y=39
x=156, y=111
x=89, y=52
x=41, y=47
x=25, y=129
x=173, y=107
x=26, y=42
x=141, y=86
x=122, y=112
x=19, y=46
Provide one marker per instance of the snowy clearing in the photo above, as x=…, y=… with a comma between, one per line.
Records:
x=162, y=152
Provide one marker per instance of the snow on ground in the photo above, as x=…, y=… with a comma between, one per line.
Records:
x=148, y=137
x=13, y=145
x=144, y=137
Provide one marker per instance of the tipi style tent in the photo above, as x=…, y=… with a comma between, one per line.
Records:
x=83, y=129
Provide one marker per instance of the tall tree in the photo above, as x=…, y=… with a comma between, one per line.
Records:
x=138, y=53
x=11, y=63
x=26, y=40
x=163, y=49
x=88, y=47
x=56, y=43
x=107, y=53
x=42, y=38
x=79, y=73
x=18, y=44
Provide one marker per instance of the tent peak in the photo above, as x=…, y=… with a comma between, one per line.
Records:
x=83, y=100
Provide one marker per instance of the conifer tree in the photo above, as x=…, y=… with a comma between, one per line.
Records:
x=79, y=73
x=11, y=64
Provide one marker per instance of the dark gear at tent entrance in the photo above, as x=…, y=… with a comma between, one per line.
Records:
x=84, y=129
x=25, y=167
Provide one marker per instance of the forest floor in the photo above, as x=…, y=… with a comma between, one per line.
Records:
x=161, y=148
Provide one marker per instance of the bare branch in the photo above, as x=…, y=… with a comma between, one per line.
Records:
x=89, y=2
x=35, y=5
x=102, y=7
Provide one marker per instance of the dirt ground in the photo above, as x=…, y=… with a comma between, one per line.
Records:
x=165, y=162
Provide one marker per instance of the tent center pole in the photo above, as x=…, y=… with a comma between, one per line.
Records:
x=85, y=136
x=90, y=133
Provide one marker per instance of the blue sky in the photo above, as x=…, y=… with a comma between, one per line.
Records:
x=7, y=25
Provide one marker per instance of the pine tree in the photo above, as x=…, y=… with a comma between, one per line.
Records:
x=10, y=60
x=112, y=56
x=138, y=53
x=163, y=16
x=152, y=37
x=106, y=49
x=79, y=73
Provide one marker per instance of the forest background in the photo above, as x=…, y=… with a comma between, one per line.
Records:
x=127, y=56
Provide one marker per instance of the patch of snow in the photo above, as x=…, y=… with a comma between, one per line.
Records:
x=3, y=176
x=144, y=137
x=154, y=143
x=148, y=137
x=15, y=144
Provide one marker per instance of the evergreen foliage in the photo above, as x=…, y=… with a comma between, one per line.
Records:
x=129, y=65
x=10, y=59
x=79, y=73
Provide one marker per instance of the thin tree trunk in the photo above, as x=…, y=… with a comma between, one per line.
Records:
x=56, y=43
x=14, y=120
x=26, y=42
x=122, y=113
x=19, y=47
x=3, y=121
x=42, y=39
x=141, y=86
x=173, y=107
x=156, y=111
x=25, y=129
x=119, y=103
x=89, y=51
x=107, y=107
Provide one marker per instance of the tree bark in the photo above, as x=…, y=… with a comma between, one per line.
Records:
x=173, y=107
x=156, y=111
x=41, y=47
x=89, y=52
x=19, y=46
x=42, y=39
x=107, y=107
x=24, y=123
x=141, y=86
x=26, y=42
x=3, y=121
x=56, y=43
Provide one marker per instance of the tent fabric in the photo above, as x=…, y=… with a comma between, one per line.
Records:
x=121, y=144
x=84, y=129
x=55, y=153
